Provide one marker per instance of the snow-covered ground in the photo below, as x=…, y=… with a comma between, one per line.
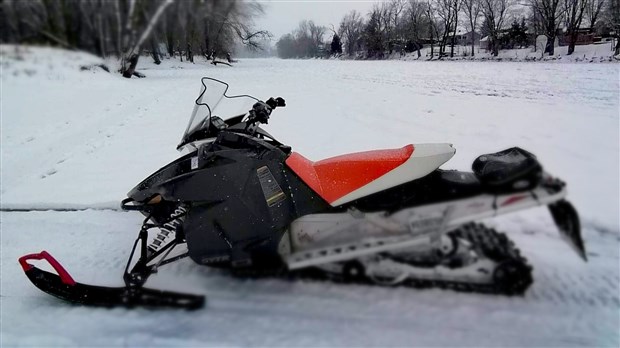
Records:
x=82, y=139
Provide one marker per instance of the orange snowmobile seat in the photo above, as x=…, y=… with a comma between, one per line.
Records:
x=335, y=177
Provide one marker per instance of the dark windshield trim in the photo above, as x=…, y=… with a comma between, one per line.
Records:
x=202, y=80
x=206, y=123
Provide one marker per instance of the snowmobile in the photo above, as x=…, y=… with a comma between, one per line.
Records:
x=241, y=200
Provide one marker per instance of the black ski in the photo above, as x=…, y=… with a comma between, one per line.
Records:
x=63, y=286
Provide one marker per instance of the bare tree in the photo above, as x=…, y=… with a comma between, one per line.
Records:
x=350, y=31
x=415, y=14
x=472, y=10
x=133, y=49
x=237, y=23
x=397, y=9
x=611, y=17
x=593, y=9
x=433, y=28
x=122, y=27
x=447, y=13
x=495, y=12
x=316, y=33
x=456, y=7
x=549, y=12
x=303, y=42
x=574, y=10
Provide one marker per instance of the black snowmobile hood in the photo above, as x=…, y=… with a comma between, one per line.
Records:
x=154, y=183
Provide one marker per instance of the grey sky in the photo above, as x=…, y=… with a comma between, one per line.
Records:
x=282, y=17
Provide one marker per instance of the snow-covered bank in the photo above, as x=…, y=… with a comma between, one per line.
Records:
x=602, y=52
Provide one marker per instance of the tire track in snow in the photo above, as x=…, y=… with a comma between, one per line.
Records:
x=62, y=207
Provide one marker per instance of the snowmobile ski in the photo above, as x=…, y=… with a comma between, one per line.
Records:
x=61, y=285
x=133, y=294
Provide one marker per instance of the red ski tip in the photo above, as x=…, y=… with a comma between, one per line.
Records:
x=65, y=277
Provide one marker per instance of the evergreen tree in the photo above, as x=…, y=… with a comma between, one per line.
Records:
x=372, y=36
x=336, y=45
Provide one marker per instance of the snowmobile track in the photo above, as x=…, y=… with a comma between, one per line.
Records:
x=547, y=285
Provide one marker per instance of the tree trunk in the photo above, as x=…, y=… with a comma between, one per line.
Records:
x=550, y=47
x=571, y=43
x=550, y=33
x=133, y=62
x=150, y=25
x=456, y=21
x=155, y=51
x=190, y=54
x=119, y=30
x=101, y=37
x=134, y=52
x=473, y=39
x=452, y=45
x=170, y=39
x=170, y=46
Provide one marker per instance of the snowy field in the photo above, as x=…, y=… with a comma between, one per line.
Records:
x=76, y=139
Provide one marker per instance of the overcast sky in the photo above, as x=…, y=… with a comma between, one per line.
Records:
x=282, y=17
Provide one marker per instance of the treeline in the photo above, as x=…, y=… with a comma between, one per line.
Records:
x=409, y=25
x=125, y=28
x=305, y=41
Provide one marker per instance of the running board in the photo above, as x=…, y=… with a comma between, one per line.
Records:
x=350, y=251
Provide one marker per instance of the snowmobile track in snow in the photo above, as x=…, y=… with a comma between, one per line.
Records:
x=57, y=209
x=565, y=288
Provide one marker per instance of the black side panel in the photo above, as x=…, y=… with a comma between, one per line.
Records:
x=241, y=199
x=305, y=200
x=241, y=206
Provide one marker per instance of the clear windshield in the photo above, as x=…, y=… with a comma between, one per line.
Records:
x=213, y=101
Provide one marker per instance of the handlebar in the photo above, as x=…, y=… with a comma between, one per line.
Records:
x=262, y=110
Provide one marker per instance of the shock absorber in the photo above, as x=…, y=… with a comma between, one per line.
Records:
x=168, y=231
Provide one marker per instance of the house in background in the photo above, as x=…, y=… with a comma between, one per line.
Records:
x=483, y=43
x=585, y=36
x=465, y=38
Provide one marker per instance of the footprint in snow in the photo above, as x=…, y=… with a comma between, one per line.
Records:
x=49, y=173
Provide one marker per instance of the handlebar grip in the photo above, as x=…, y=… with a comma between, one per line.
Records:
x=276, y=102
